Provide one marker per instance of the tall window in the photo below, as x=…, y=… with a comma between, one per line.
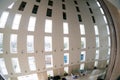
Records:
x=98, y=4
x=108, y=51
x=31, y=25
x=93, y=19
x=63, y=6
x=77, y=9
x=109, y=43
x=28, y=77
x=97, y=42
x=1, y=42
x=82, y=66
x=49, y=61
x=82, y=56
x=30, y=43
x=75, y=2
x=101, y=10
x=22, y=6
x=3, y=19
x=96, y=30
x=97, y=54
x=50, y=73
x=79, y=18
x=96, y=63
x=15, y=64
x=108, y=31
x=64, y=16
x=66, y=43
x=48, y=43
x=16, y=22
x=13, y=43
x=50, y=3
x=3, y=69
x=82, y=29
x=35, y=9
x=108, y=61
x=11, y=5
x=48, y=26
x=65, y=28
x=31, y=62
x=83, y=42
x=38, y=0
x=105, y=19
x=66, y=58
x=49, y=12
x=66, y=69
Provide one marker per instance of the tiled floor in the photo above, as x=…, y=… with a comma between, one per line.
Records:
x=92, y=76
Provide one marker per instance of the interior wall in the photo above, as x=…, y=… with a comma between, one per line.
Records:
x=57, y=37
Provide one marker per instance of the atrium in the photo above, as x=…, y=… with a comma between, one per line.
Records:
x=46, y=38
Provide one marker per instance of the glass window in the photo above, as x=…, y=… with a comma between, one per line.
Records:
x=82, y=66
x=13, y=43
x=93, y=19
x=97, y=54
x=48, y=26
x=1, y=42
x=90, y=10
x=3, y=68
x=63, y=6
x=49, y=12
x=30, y=43
x=97, y=42
x=65, y=28
x=96, y=63
x=87, y=3
x=66, y=43
x=15, y=65
x=75, y=2
x=108, y=51
x=38, y=0
x=10, y=6
x=108, y=31
x=98, y=3
x=82, y=29
x=108, y=61
x=16, y=22
x=109, y=42
x=101, y=10
x=64, y=16
x=83, y=42
x=66, y=58
x=31, y=62
x=82, y=56
x=49, y=61
x=3, y=19
x=50, y=73
x=77, y=9
x=66, y=69
x=48, y=43
x=96, y=30
x=105, y=19
x=22, y=6
x=35, y=9
x=63, y=0
x=28, y=77
x=79, y=18
x=31, y=25
x=50, y=3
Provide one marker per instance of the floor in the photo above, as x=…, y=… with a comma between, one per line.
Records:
x=91, y=76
